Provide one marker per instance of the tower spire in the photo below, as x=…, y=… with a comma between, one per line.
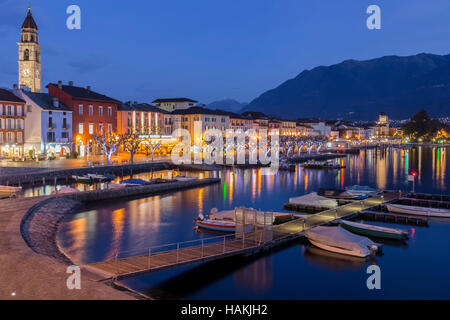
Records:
x=30, y=54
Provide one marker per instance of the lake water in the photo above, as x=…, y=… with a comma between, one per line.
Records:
x=415, y=269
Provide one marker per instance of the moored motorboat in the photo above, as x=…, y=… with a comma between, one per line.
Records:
x=313, y=199
x=340, y=194
x=83, y=179
x=339, y=240
x=357, y=190
x=374, y=231
x=216, y=225
x=418, y=211
x=100, y=177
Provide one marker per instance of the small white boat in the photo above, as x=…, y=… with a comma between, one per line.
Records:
x=217, y=225
x=357, y=190
x=100, y=177
x=339, y=240
x=313, y=199
x=418, y=211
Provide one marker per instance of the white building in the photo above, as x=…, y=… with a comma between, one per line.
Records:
x=48, y=124
x=321, y=128
x=172, y=104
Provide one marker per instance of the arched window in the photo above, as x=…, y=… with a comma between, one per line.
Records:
x=26, y=55
x=37, y=56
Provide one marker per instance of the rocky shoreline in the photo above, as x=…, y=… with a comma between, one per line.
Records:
x=40, y=225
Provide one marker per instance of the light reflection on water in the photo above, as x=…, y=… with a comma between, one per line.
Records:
x=100, y=230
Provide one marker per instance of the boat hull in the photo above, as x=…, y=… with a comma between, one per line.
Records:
x=374, y=233
x=418, y=211
x=216, y=227
x=339, y=250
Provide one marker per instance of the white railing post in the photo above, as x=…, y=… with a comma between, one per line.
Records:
x=178, y=251
x=243, y=240
x=224, y=240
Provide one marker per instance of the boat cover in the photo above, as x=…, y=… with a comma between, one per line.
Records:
x=337, y=236
x=313, y=199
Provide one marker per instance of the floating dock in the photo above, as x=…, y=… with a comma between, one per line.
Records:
x=147, y=260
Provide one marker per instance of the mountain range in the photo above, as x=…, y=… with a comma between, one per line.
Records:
x=227, y=105
x=360, y=90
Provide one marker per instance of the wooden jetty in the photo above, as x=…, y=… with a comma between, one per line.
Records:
x=142, y=261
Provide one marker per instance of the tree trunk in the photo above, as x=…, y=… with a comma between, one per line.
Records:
x=132, y=157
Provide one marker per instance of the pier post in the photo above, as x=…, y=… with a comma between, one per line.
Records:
x=224, y=241
x=203, y=241
x=178, y=250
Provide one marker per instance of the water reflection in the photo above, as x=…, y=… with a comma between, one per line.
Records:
x=104, y=228
x=333, y=261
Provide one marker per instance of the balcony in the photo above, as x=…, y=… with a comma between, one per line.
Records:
x=51, y=126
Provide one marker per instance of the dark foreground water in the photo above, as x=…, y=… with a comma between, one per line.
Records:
x=418, y=268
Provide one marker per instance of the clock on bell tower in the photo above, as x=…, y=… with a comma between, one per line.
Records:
x=30, y=55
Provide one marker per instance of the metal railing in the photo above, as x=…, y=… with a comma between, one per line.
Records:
x=191, y=250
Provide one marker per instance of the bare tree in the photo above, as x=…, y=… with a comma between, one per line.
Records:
x=131, y=144
x=153, y=147
x=109, y=143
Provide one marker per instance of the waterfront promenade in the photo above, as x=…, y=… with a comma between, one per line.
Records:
x=32, y=266
x=26, y=274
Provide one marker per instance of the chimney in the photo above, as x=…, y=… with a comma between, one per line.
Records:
x=59, y=84
x=55, y=102
x=89, y=88
x=71, y=83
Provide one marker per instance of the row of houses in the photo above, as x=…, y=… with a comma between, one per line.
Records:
x=64, y=120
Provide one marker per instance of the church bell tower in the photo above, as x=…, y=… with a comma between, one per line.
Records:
x=30, y=55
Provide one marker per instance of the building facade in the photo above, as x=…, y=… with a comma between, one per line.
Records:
x=143, y=118
x=92, y=114
x=30, y=55
x=172, y=104
x=12, y=125
x=48, y=125
x=207, y=118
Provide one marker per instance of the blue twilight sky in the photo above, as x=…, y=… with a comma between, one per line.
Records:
x=213, y=49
